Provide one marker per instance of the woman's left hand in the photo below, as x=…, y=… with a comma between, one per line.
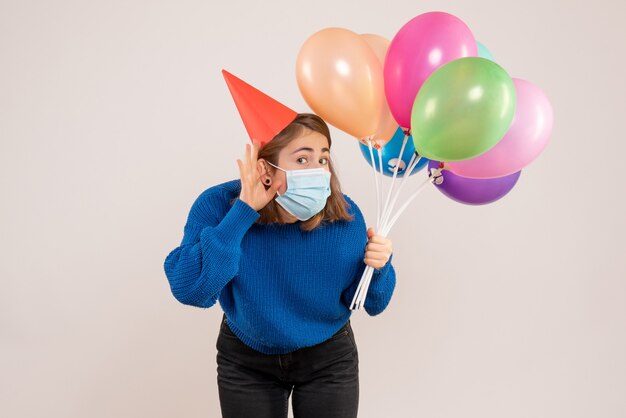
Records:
x=378, y=249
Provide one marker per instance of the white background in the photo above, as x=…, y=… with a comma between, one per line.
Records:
x=114, y=117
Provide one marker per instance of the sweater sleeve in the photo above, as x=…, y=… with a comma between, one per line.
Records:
x=379, y=293
x=383, y=281
x=209, y=254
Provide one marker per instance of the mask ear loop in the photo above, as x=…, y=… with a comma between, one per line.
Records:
x=276, y=166
x=277, y=192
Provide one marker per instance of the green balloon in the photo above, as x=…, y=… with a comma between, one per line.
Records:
x=462, y=110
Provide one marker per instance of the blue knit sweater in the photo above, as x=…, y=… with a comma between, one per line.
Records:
x=281, y=288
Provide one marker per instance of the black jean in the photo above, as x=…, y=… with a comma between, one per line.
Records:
x=324, y=378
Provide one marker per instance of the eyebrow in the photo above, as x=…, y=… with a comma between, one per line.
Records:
x=309, y=149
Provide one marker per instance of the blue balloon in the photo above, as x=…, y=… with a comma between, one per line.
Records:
x=390, y=155
x=483, y=52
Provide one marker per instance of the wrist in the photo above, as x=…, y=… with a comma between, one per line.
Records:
x=244, y=200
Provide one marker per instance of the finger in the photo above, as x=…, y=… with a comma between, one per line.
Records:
x=378, y=239
x=241, y=169
x=252, y=161
x=377, y=256
x=247, y=158
x=376, y=263
x=255, y=151
x=373, y=263
x=376, y=247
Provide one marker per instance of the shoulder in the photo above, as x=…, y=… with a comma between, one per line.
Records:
x=213, y=203
x=220, y=193
x=353, y=208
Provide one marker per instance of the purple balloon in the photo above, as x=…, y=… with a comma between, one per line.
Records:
x=472, y=191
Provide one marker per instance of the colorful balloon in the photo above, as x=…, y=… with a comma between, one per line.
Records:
x=341, y=79
x=524, y=141
x=484, y=52
x=462, y=110
x=474, y=191
x=421, y=46
x=390, y=153
x=387, y=124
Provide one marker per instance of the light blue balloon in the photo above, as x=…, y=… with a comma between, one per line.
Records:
x=483, y=52
x=390, y=155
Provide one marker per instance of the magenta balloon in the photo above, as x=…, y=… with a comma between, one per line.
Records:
x=525, y=139
x=422, y=45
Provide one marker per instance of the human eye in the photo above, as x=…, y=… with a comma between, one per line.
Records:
x=324, y=160
x=300, y=160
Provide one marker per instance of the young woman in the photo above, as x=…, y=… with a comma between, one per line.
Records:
x=283, y=249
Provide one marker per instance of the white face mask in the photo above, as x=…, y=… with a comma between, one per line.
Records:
x=307, y=191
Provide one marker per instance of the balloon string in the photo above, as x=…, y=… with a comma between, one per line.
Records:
x=395, y=174
x=387, y=227
x=412, y=164
x=360, y=295
x=356, y=299
x=379, y=193
x=369, y=144
x=433, y=177
x=382, y=184
x=367, y=275
x=378, y=215
x=365, y=279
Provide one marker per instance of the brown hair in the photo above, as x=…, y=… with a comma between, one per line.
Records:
x=336, y=205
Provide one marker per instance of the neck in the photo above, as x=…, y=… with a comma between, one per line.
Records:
x=286, y=217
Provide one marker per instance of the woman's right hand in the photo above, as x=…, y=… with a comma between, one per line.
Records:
x=253, y=191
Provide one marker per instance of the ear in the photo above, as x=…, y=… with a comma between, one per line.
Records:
x=264, y=173
x=261, y=166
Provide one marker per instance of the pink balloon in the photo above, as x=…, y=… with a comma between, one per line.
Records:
x=526, y=138
x=422, y=45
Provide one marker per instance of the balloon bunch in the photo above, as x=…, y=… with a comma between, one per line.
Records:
x=466, y=118
x=390, y=154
